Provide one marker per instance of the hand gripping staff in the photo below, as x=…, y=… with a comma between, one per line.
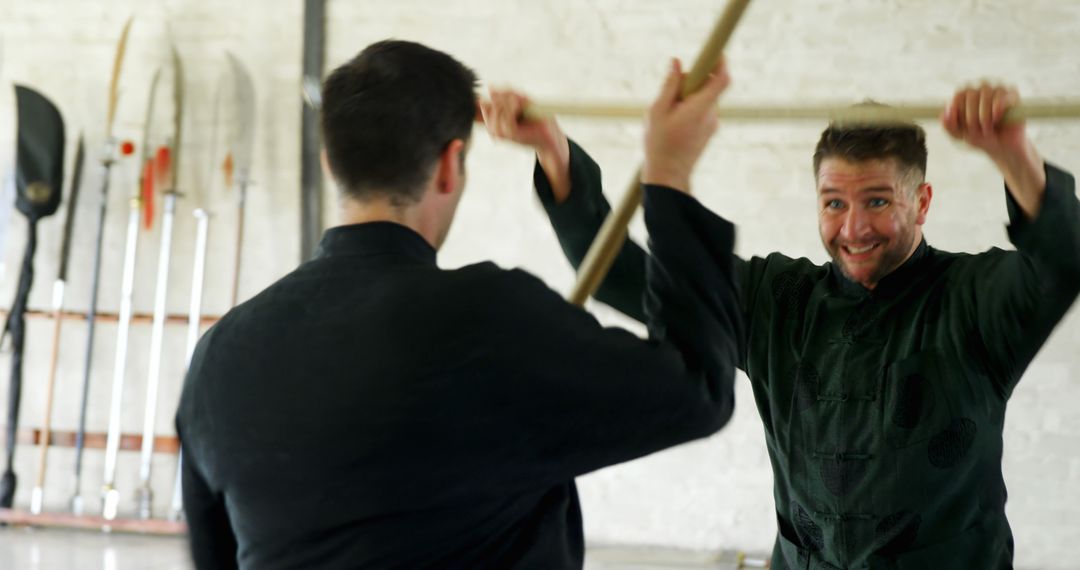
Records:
x=38, y=496
x=110, y=497
x=108, y=157
x=145, y=495
x=39, y=175
x=612, y=233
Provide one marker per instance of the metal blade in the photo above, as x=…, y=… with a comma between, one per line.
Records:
x=178, y=114
x=73, y=200
x=147, y=146
x=244, y=93
x=114, y=83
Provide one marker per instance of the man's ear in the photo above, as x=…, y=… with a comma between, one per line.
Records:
x=451, y=167
x=325, y=163
x=923, y=195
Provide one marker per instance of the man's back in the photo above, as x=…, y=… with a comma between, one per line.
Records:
x=298, y=387
x=372, y=410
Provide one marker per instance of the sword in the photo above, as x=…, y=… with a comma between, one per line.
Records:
x=37, y=496
x=108, y=156
x=145, y=495
x=110, y=497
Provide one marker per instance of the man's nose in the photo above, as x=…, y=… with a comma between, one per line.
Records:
x=856, y=223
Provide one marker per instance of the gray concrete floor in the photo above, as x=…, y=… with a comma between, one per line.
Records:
x=54, y=549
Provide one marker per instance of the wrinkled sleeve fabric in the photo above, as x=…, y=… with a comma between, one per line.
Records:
x=573, y=396
x=1019, y=297
x=576, y=222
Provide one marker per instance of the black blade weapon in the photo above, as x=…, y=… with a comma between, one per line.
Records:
x=38, y=179
x=108, y=157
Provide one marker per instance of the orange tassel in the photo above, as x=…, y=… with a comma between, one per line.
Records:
x=227, y=167
x=148, y=193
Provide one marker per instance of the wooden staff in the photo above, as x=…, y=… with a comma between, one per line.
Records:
x=612, y=233
x=37, y=496
x=856, y=114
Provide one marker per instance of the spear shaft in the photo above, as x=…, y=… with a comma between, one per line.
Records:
x=108, y=157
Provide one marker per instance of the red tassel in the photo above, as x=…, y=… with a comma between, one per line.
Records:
x=227, y=167
x=148, y=193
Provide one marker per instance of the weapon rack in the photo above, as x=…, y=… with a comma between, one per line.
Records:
x=96, y=440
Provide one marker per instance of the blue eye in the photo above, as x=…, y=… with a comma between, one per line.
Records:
x=878, y=202
x=834, y=204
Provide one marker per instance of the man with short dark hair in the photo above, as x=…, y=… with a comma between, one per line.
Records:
x=881, y=377
x=370, y=410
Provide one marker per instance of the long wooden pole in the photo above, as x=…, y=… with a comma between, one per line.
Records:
x=868, y=114
x=612, y=233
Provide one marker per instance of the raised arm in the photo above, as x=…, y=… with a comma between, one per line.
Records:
x=1018, y=298
x=594, y=396
x=568, y=183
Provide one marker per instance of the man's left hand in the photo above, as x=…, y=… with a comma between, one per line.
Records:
x=975, y=116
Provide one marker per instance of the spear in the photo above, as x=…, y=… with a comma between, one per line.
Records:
x=37, y=497
x=39, y=176
x=110, y=497
x=108, y=157
x=145, y=495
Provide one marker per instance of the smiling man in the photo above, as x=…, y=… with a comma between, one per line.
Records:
x=882, y=377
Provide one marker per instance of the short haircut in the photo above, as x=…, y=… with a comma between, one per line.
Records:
x=388, y=114
x=906, y=142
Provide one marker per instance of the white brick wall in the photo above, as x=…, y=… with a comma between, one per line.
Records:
x=712, y=494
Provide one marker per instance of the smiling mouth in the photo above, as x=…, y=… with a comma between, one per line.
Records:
x=859, y=250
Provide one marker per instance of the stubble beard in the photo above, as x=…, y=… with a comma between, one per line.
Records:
x=894, y=253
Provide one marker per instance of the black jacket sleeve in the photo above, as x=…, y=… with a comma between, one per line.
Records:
x=577, y=221
x=211, y=537
x=1019, y=297
x=571, y=396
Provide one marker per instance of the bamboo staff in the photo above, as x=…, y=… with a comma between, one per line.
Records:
x=613, y=232
x=857, y=114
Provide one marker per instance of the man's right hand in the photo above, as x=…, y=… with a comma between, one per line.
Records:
x=678, y=129
x=504, y=121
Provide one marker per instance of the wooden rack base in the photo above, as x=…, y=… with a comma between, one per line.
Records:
x=158, y=527
x=113, y=317
x=92, y=440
